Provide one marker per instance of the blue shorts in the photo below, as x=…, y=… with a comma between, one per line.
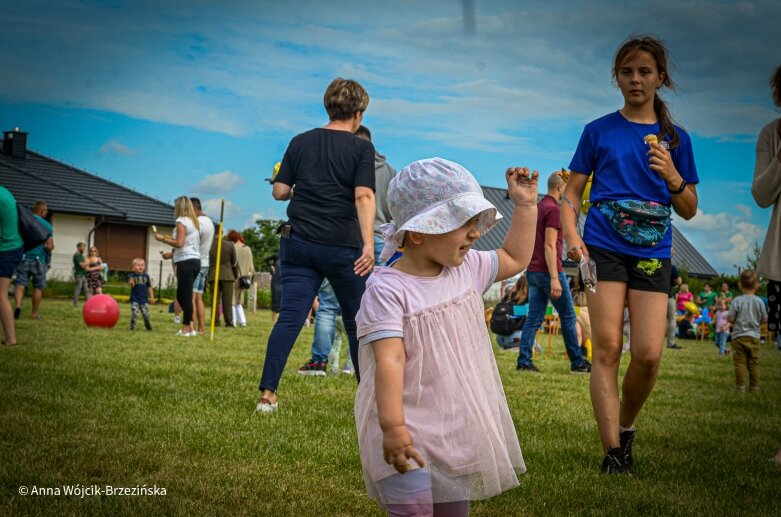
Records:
x=200, y=280
x=31, y=267
x=9, y=260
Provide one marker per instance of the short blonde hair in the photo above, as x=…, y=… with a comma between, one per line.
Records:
x=183, y=207
x=138, y=260
x=344, y=98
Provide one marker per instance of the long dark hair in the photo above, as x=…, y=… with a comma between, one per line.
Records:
x=656, y=48
x=775, y=86
x=519, y=293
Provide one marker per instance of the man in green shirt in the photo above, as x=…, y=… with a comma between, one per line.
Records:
x=11, y=250
x=707, y=298
x=725, y=294
x=79, y=274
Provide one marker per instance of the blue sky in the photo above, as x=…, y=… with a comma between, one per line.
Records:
x=201, y=98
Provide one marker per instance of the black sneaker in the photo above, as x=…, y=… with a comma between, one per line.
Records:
x=527, y=368
x=627, y=439
x=17, y=313
x=675, y=346
x=585, y=367
x=313, y=368
x=614, y=462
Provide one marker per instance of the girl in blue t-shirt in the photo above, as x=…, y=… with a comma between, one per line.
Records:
x=643, y=167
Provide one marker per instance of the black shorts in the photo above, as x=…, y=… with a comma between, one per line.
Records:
x=642, y=274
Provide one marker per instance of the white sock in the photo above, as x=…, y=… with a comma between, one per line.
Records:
x=240, y=318
x=622, y=429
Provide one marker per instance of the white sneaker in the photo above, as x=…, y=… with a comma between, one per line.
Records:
x=185, y=334
x=264, y=406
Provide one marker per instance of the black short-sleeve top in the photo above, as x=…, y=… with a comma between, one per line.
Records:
x=325, y=166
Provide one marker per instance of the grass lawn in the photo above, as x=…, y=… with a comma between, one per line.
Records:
x=87, y=407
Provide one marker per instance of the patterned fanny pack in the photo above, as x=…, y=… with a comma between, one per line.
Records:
x=640, y=222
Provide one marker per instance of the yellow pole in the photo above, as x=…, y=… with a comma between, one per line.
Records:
x=217, y=273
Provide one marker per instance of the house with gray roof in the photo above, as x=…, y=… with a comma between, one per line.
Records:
x=87, y=208
x=686, y=256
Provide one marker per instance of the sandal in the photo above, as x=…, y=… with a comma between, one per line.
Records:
x=265, y=406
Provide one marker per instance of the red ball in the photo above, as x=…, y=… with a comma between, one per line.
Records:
x=101, y=311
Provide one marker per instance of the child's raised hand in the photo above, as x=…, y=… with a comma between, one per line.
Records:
x=522, y=185
x=397, y=449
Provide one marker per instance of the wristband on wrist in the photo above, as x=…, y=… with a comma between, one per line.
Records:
x=679, y=189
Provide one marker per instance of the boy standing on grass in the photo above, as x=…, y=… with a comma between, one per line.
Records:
x=746, y=313
x=141, y=294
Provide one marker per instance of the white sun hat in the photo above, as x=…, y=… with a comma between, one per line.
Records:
x=434, y=196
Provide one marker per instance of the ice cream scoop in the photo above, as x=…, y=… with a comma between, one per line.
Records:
x=650, y=139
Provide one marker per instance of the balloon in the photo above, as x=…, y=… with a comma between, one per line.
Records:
x=101, y=311
x=692, y=307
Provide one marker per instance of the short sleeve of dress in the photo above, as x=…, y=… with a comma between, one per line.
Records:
x=381, y=311
x=483, y=267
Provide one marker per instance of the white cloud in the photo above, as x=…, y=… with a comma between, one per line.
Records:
x=745, y=210
x=211, y=207
x=259, y=69
x=116, y=147
x=220, y=183
x=724, y=239
x=268, y=214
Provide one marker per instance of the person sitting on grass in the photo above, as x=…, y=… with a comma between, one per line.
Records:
x=518, y=295
x=431, y=392
x=686, y=327
x=141, y=294
x=747, y=313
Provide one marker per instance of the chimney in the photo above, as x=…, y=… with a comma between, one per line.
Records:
x=15, y=143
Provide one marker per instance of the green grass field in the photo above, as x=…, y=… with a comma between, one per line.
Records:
x=88, y=407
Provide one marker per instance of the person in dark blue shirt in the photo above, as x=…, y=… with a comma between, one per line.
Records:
x=642, y=168
x=141, y=294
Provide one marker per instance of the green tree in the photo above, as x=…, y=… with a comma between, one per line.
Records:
x=263, y=240
x=752, y=259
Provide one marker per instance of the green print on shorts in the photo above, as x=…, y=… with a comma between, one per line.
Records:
x=650, y=266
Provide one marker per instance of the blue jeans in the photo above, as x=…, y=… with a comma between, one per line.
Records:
x=539, y=294
x=721, y=342
x=304, y=265
x=325, y=323
x=510, y=341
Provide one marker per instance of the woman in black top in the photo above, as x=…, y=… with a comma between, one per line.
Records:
x=328, y=175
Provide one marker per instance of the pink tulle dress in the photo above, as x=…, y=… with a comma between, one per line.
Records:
x=454, y=403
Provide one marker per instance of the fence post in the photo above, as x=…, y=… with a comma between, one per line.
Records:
x=160, y=281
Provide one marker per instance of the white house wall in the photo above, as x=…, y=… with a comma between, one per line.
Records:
x=154, y=261
x=68, y=231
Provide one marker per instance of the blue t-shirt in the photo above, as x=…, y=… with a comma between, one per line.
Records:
x=39, y=252
x=613, y=149
x=139, y=293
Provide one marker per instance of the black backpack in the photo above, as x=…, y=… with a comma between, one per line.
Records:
x=32, y=232
x=503, y=322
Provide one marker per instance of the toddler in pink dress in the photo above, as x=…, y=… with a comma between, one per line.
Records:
x=434, y=429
